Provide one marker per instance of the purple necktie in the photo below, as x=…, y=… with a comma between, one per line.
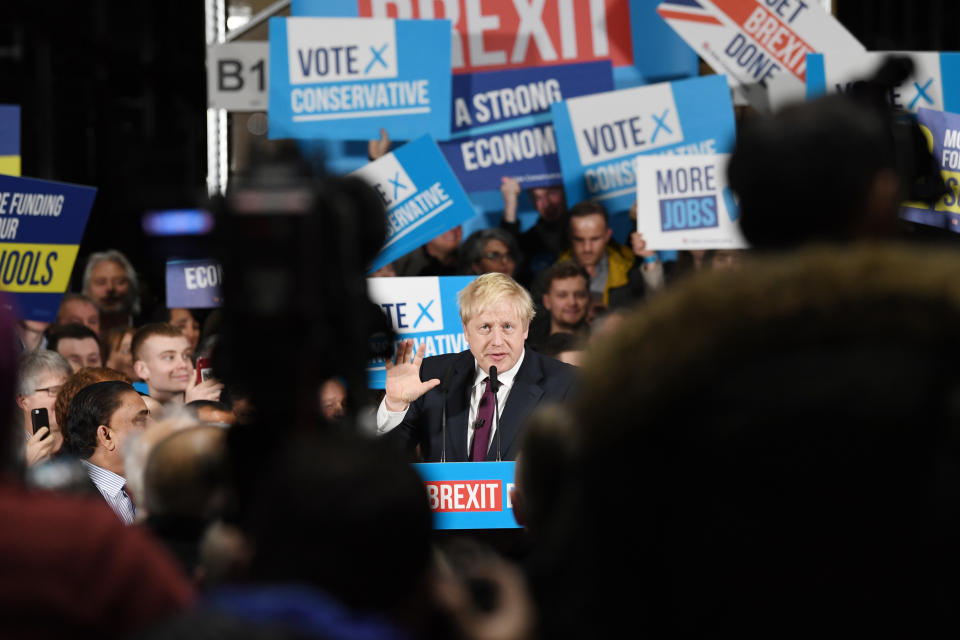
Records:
x=481, y=436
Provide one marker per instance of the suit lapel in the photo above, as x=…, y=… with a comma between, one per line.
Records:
x=458, y=409
x=524, y=396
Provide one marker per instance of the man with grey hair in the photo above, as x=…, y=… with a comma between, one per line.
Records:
x=111, y=282
x=39, y=378
x=459, y=421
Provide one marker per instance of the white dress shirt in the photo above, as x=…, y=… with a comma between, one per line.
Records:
x=388, y=420
x=112, y=487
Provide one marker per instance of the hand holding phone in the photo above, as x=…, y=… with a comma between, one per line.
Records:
x=204, y=369
x=40, y=418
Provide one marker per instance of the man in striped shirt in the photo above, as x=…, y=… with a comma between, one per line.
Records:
x=100, y=419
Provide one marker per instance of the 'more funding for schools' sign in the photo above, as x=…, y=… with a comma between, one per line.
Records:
x=345, y=78
x=934, y=83
x=683, y=202
x=599, y=135
x=41, y=226
x=422, y=197
x=761, y=45
x=422, y=309
x=942, y=131
x=502, y=124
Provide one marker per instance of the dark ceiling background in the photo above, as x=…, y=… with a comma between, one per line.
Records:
x=113, y=95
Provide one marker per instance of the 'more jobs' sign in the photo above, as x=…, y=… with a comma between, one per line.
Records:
x=761, y=45
x=599, y=135
x=422, y=197
x=683, y=202
x=41, y=226
x=422, y=309
x=502, y=124
x=345, y=78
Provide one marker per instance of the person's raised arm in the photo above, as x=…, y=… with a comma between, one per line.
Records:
x=378, y=148
x=403, y=378
x=510, y=189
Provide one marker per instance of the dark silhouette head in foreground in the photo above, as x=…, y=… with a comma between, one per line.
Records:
x=776, y=450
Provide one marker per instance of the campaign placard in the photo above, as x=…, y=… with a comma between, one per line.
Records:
x=41, y=226
x=423, y=309
x=487, y=35
x=934, y=83
x=10, y=139
x=469, y=495
x=683, y=202
x=194, y=284
x=599, y=135
x=421, y=194
x=345, y=78
x=502, y=124
x=942, y=131
x=761, y=45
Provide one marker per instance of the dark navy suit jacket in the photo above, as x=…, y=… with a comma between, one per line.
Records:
x=540, y=379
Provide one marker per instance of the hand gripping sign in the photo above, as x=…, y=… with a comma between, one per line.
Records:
x=599, y=135
x=761, y=45
x=934, y=83
x=421, y=194
x=683, y=202
x=423, y=309
x=502, y=124
x=345, y=78
x=41, y=225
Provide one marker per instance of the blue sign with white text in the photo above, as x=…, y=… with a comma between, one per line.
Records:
x=345, y=78
x=423, y=309
x=942, y=131
x=422, y=197
x=194, y=284
x=469, y=495
x=41, y=227
x=600, y=135
x=502, y=124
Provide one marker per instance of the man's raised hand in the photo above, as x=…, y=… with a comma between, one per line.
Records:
x=403, y=378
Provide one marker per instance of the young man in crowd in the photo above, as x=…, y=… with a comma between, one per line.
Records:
x=567, y=298
x=163, y=359
x=77, y=343
x=544, y=241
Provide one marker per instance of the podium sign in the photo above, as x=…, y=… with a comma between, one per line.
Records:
x=469, y=495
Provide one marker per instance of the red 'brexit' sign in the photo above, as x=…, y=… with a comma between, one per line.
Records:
x=464, y=495
x=505, y=34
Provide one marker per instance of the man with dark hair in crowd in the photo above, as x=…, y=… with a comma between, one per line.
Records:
x=78, y=308
x=77, y=343
x=162, y=357
x=617, y=277
x=547, y=238
x=111, y=282
x=100, y=419
x=70, y=568
x=567, y=298
x=40, y=376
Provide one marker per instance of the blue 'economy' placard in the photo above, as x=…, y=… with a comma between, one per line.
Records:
x=345, y=78
x=469, y=495
x=934, y=83
x=194, y=284
x=423, y=309
x=942, y=131
x=421, y=194
x=41, y=226
x=502, y=124
x=599, y=135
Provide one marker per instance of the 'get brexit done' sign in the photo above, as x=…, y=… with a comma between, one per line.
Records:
x=41, y=226
x=502, y=124
x=599, y=135
x=345, y=78
x=423, y=309
x=683, y=202
x=422, y=197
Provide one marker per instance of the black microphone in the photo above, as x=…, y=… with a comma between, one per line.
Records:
x=496, y=406
x=444, y=386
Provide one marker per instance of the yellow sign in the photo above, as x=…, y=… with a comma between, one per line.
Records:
x=36, y=268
